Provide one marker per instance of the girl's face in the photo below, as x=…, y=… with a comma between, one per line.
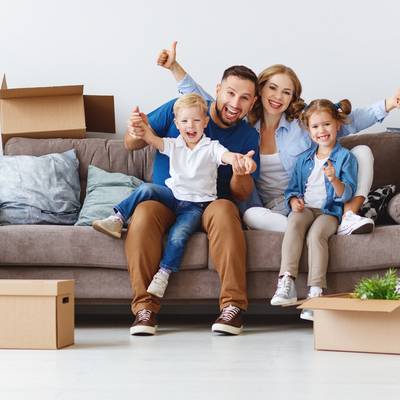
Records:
x=323, y=128
x=277, y=93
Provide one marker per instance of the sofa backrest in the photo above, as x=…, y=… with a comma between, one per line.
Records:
x=386, y=150
x=107, y=154
x=110, y=155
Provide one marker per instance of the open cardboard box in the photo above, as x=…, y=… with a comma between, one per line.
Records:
x=36, y=314
x=53, y=112
x=344, y=323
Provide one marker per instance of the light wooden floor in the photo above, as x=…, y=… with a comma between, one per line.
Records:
x=272, y=359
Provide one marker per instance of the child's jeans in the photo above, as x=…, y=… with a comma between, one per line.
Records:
x=188, y=219
x=320, y=228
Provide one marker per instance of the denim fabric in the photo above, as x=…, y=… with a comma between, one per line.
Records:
x=188, y=219
x=346, y=167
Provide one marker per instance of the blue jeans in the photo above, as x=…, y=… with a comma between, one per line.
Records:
x=188, y=219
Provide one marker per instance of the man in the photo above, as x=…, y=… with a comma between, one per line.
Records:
x=235, y=96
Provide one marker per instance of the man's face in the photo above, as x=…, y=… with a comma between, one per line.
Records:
x=235, y=98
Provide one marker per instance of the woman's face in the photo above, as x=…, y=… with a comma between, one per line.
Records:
x=276, y=94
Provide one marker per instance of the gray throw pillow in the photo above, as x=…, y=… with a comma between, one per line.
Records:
x=104, y=191
x=39, y=190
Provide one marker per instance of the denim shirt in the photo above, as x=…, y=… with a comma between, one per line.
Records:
x=291, y=138
x=346, y=167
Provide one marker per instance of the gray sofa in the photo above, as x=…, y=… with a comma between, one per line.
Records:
x=98, y=262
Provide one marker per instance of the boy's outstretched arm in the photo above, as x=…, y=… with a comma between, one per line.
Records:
x=242, y=183
x=167, y=59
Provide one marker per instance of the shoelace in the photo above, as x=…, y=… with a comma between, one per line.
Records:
x=286, y=285
x=144, y=315
x=228, y=313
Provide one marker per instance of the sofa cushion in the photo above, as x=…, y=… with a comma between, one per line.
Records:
x=375, y=206
x=78, y=246
x=368, y=252
x=104, y=190
x=107, y=154
x=39, y=190
x=394, y=208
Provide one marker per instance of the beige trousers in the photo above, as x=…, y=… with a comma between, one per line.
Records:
x=320, y=228
x=227, y=246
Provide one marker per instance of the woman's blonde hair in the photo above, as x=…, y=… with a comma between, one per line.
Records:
x=190, y=100
x=338, y=111
x=296, y=104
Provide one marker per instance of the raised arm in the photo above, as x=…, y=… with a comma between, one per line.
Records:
x=133, y=139
x=363, y=118
x=186, y=84
x=146, y=134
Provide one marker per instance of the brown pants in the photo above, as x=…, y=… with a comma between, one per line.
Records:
x=144, y=246
x=320, y=228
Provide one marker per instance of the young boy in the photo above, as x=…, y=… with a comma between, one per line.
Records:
x=194, y=160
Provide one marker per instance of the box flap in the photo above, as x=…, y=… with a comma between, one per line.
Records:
x=35, y=287
x=99, y=113
x=347, y=303
x=41, y=91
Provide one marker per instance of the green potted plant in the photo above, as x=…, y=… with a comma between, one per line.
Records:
x=386, y=287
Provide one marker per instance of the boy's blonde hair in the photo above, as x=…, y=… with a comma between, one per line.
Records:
x=190, y=100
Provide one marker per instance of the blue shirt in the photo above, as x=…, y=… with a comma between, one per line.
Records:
x=240, y=138
x=345, y=165
x=291, y=138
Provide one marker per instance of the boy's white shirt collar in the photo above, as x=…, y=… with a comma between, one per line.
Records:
x=180, y=142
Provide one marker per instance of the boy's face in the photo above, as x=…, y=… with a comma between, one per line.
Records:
x=191, y=122
x=235, y=98
x=323, y=129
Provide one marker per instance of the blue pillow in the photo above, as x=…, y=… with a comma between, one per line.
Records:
x=39, y=190
x=104, y=191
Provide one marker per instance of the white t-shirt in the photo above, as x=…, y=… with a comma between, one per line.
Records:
x=315, y=193
x=193, y=172
x=274, y=180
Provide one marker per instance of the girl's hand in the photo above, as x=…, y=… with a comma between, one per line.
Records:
x=297, y=204
x=329, y=171
x=393, y=102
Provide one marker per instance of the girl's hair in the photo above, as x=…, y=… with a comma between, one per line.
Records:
x=190, y=100
x=296, y=104
x=338, y=111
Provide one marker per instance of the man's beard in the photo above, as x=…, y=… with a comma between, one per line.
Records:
x=219, y=115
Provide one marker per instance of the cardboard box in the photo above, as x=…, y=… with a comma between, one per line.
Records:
x=36, y=314
x=343, y=323
x=53, y=112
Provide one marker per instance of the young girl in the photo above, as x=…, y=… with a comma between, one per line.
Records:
x=324, y=178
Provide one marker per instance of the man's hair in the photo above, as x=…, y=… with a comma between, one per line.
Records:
x=241, y=72
x=190, y=100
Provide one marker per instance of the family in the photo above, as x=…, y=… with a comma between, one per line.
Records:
x=256, y=153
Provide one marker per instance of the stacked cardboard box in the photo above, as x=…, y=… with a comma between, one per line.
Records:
x=53, y=112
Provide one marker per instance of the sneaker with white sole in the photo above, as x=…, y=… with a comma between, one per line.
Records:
x=111, y=226
x=229, y=321
x=159, y=284
x=285, y=292
x=354, y=224
x=306, y=313
x=144, y=324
